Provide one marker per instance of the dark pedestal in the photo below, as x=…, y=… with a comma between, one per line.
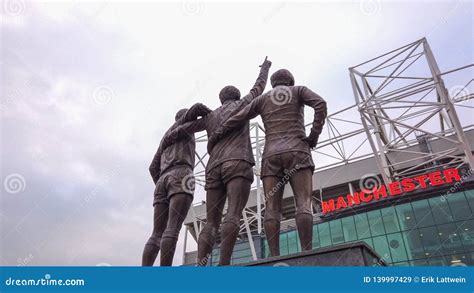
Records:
x=351, y=254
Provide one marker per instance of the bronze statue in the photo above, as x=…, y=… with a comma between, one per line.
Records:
x=229, y=172
x=172, y=172
x=287, y=153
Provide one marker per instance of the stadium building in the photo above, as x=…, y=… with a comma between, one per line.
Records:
x=394, y=170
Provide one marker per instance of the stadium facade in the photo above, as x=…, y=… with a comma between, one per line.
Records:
x=394, y=170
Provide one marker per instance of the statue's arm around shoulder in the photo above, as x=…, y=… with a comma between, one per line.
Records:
x=196, y=110
x=236, y=120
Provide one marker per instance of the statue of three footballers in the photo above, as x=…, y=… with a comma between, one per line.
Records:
x=229, y=171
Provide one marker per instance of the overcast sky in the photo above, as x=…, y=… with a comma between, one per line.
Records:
x=87, y=90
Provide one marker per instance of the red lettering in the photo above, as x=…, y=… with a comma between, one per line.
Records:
x=365, y=197
x=421, y=179
x=381, y=191
x=353, y=199
x=394, y=188
x=328, y=206
x=341, y=203
x=408, y=184
x=435, y=178
x=450, y=174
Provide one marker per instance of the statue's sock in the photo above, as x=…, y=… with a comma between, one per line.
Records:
x=304, y=222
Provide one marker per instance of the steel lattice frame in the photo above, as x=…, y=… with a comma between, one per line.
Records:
x=399, y=95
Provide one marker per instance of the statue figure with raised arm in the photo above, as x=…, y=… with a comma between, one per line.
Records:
x=229, y=171
x=287, y=153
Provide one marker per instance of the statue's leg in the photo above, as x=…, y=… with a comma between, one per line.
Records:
x=179, y=207
x=152, y=247
x=301, y=183
x=273, y=195
x=215, y=200
x=238, y=190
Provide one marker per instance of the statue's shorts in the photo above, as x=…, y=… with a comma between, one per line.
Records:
x=177, y=180
x=285, y=165
x=219, y=176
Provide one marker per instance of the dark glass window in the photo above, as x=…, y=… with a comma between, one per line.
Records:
x=390, y=221
x=406, y=217
x=470, y=198
x=284, y=244
x=316, y=243
x=349, y=229
x=440, y=210
x=324, y=235
x=431, y=242
x=466, y=234
x=437, y=261
x=459, y=206
x=381, y=247
x=397, y=247
x=450, y=240
x=293, y=246
x=336, y=231
x=376, y=223
x=422, y=211
x=362, y=226
x=413, y=244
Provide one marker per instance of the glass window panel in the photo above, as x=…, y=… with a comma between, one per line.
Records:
x=242, y=260
x=460, y=259
x=369, y=242
x=382, y=248
x=440, y=210
x=349, y=229
x=413, y=244
x=241, y=253
x=450, y=240
x=362, y=226
x=397, y=247
x=292, y=242
x=401, y=264
x=431, y=242
x=437, y=261
x=419, y=262
x=459, y=206
x=390, y=220
x=316, y=243
x=406, y=217
x=336, y=231
x=376, y=223
x=283, y=244
x=324, y=234
x=470, y=199
x=266, y=250
x=466, y=234
x=422, y=211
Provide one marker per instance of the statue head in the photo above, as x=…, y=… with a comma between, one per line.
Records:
x=282, y=77
x=180, y=114
x=229, y=93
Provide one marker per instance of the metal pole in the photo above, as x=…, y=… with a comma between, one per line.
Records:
x=377, y=157
x=257, y=173
x=249, y=235
x=185, y=243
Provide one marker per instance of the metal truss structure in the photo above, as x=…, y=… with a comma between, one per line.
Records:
x=401, y=100
x=399, y=95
